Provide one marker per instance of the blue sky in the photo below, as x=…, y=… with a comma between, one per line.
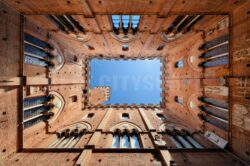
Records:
x=131, y=81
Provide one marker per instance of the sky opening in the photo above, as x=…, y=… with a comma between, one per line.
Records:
x=130, y=81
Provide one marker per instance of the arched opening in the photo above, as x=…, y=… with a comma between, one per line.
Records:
x=70, y=136
x=126, y=139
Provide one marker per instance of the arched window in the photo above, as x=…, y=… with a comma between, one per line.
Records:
x=65, y=140
x=116, y=22
x=216, y=52
x=125, y=22
x=179, y=137
x=214, y=102
x=182, y=140
x=181, y=25
x=126, y=139
x=68, y=138
x=135, y=142
x=40, y=53
x=70, y=25
x=215, y=116
x=125, y=116
x=42, y=108
x=215, y=112
x=125, y=142
x=36, y=51
x=36, y=110
x=116, y=141
x=135, y=22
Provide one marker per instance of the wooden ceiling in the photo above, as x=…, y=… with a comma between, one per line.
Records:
x=90, y=8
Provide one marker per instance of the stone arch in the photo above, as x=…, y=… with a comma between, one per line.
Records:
x=80, y=125
x=58, y=102
x=125, y=126
x=58, y=59
x=194, y=59
x=173, y=127
x=120, y=37
x=170, y=37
